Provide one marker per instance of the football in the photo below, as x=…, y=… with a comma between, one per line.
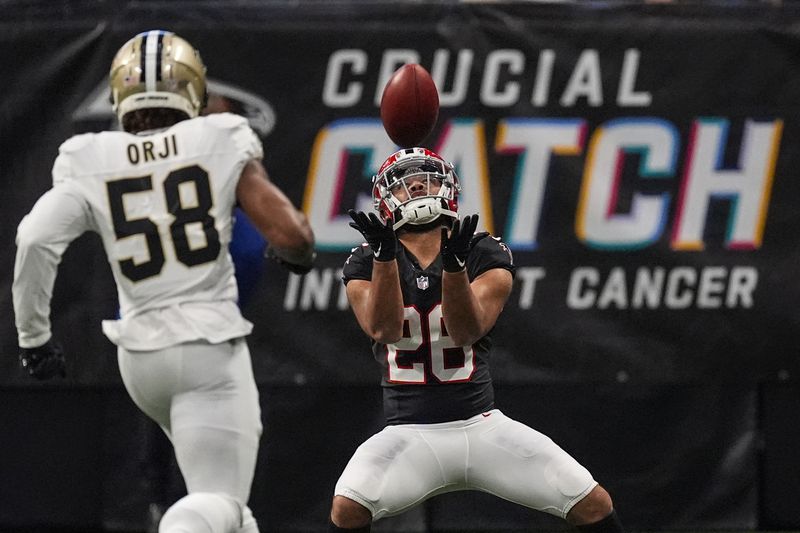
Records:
x=409, y=105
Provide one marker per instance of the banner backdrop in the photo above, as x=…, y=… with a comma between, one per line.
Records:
x=640, y=166
x=639, y=162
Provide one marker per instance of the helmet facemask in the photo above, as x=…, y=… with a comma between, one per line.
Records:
x=415, y=187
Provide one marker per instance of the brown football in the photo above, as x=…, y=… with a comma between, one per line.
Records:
x=409, y=105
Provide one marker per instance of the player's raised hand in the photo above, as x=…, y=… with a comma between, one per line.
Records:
x=379, y=236
x=457, y=245
x=45, y=361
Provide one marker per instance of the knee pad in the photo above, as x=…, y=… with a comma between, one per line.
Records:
x=201, y=512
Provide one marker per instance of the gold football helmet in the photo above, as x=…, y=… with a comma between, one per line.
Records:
x=157, y=69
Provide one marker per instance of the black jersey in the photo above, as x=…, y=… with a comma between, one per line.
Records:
x=426, y=378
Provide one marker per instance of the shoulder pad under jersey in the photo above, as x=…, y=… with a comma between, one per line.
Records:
x=76, y=142
x=226, y=120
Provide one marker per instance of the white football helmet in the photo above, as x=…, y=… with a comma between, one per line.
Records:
x=157, y=69
x=417, y=207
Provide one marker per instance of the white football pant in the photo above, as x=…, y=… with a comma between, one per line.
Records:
x=204, y=397
x=403, y=465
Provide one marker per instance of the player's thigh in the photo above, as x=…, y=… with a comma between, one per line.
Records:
x=151, y=379
x=217, y=388
x=216, y=421
x=520, y=464
x=391, y=471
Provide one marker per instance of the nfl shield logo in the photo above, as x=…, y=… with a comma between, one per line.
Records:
x=422, y=282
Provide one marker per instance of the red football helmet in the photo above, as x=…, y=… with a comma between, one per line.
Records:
x=403, y=171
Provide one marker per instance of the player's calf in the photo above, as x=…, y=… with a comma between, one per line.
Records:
x=350, y=516
x=595, y=513
x=333, y=528
x=609, y=524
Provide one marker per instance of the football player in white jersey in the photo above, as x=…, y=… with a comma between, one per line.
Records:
x=161, y=195
x=428, y=290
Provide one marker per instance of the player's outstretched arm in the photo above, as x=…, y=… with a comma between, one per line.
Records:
x=286, y=228
x=57, y=218
x=470, y=309
x=378, y=303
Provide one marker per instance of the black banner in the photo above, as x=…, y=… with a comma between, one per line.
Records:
x=640, y=171
x=639, y=161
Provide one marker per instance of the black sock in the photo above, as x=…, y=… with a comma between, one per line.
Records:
x=333, y=528
x=609, y=524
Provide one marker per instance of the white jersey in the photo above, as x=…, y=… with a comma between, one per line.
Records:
x=163, y=206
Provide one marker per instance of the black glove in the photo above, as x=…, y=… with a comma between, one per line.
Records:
x=456, y=246
x=380, y=236
x=45, y=361
x=299, y=268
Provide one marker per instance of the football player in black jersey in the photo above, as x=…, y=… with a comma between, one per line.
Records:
x=428, y=290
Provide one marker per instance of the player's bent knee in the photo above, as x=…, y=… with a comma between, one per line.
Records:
x=201, y=512
x=349, y=514
x=592, y=508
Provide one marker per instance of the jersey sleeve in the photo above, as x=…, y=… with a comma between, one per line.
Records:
x=359, y=264
x=489, y=252
x=58, y=217
x=245, y=140
x=64, y=166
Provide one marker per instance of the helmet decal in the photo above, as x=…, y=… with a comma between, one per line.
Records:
x=150, y=54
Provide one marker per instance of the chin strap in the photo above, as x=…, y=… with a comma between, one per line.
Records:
x=422, y=213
